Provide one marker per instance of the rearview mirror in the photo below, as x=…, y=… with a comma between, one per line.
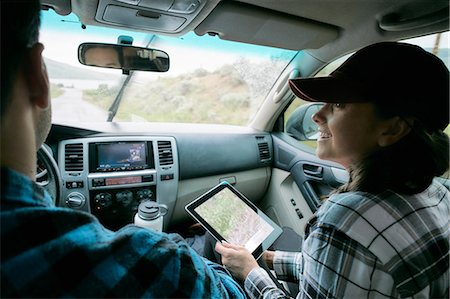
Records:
x=123, y=57
x=300, y=124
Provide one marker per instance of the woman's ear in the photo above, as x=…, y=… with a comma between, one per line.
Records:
x=395, y=129
x=37, y=77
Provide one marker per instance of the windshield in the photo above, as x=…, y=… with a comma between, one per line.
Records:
x=209, y=80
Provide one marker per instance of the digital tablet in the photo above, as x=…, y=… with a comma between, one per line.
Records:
x=228, y=215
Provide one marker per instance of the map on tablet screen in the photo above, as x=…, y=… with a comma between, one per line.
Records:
x=229, y=216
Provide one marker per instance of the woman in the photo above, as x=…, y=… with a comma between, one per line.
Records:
x=384, y=234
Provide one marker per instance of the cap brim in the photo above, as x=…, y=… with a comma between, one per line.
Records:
x=327, y=89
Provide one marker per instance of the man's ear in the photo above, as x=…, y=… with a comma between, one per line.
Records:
x=394, y=130
x=37, y=77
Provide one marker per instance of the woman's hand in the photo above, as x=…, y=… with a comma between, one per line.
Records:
x=268, y=258
x=237, y=259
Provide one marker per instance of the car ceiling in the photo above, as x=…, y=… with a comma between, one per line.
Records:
x=327, y=28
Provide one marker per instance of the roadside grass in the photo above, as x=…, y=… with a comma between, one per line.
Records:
x=56, y=90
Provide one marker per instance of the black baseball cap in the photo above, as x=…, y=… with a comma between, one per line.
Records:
x=404, y=77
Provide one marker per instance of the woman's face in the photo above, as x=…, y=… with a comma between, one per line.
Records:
x=347, y=131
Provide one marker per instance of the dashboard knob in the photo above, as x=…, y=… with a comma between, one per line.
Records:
x=144, y=194
x=103, y=200
x=75, y=200
x=125, y=197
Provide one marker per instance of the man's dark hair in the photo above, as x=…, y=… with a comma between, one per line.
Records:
x=20, y=20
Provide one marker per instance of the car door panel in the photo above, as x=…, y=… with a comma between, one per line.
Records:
x=284, y=203
x=299, y=182
x=316, y=180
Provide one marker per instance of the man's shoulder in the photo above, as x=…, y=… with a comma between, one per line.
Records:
x=18, y=190
x=57, y=240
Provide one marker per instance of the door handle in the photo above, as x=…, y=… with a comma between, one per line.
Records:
x=313, y=170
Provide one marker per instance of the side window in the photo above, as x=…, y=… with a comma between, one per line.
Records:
x=308, y=127
x=297, y=116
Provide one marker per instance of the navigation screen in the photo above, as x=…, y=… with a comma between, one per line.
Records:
x=234, y=220
x=121, y=156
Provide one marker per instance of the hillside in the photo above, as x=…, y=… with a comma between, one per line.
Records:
x=229, y=95
x=59, y=70
x=194, y=97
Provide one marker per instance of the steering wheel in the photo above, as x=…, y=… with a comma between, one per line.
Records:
x=47, y=173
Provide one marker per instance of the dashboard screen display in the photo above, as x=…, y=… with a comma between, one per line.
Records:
x=121, y=156
x=123, y=181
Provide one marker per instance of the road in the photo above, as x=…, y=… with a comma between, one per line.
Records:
x=71, y=107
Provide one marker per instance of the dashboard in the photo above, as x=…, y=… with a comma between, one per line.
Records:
x=108, y=174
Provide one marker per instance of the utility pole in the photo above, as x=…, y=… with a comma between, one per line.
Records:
x=436, y=44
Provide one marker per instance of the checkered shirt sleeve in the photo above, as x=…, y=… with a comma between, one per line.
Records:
x=287, y=265
x=258, y=284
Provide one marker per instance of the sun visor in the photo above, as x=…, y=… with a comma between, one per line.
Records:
x=158, y=16
x=264, y=27
x=415, y=15
x=62, y=8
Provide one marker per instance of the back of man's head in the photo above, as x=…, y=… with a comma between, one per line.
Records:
x=20, y=20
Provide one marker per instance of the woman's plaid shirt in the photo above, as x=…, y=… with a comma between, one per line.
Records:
x=360, y=245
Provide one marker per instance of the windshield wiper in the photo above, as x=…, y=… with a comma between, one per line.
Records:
x=115, y=105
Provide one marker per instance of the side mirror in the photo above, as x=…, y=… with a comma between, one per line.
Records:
x=300, y=124
x=123, y=57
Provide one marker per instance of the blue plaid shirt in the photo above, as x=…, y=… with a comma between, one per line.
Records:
x=48, y=251
x=361, y=245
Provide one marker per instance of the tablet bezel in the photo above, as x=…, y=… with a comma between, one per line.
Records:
x=190, y=208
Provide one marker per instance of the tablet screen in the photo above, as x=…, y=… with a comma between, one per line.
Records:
x=229, y=216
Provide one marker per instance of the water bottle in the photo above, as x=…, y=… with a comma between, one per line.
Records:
x=150, y=215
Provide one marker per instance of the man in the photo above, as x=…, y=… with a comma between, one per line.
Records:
x=54, y=252
x=104, y=57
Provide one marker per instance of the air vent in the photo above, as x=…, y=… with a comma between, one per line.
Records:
x=74, y=157
x=165, y=153
x=264, y=152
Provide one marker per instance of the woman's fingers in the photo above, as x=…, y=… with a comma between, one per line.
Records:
x=268, y=258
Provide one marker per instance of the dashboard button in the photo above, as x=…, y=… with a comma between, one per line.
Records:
x=103, y=200
x=167, y=177
x=98, y=182
x=147, y=178
x=74, y=184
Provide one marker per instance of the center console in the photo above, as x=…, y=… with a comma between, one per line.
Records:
x=110, y=176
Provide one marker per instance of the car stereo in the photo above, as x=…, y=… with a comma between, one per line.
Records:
x=120, y=156
x=109, y=176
